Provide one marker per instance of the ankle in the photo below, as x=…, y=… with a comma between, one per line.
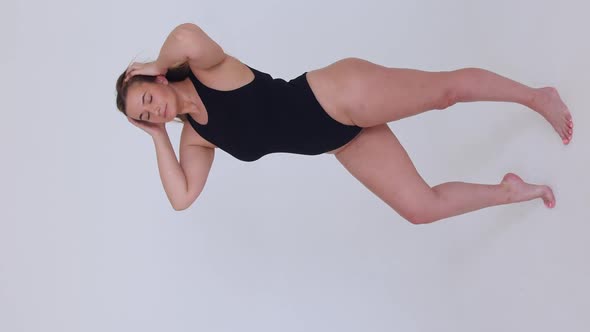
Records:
x=507, y=193
x=534, y=99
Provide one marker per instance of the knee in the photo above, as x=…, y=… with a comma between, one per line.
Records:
x=449, y=95
x=426, y=210
x=457, y=86
x=419, y=219
x=460, y=85
x=418, y=216
x=449, y=98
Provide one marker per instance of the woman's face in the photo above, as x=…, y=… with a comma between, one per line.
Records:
x=151, y=102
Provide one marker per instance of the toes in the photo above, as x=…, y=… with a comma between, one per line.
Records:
x=564, y=133
x=569, y=120
x=565, y=138
x=548, y=203
x=548, y=197
x=567, y=133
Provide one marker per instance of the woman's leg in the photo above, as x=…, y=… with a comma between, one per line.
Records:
x=376, y=94
x=377, y=159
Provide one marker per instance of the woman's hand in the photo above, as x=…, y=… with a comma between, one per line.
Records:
x=148, y=68
x=152, y=129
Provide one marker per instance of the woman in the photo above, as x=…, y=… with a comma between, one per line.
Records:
x=342, y=109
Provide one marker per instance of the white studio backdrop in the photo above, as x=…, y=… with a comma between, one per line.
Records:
x=89, y=242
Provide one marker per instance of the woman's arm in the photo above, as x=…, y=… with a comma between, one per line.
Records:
x=184, y=181
x=188, y=43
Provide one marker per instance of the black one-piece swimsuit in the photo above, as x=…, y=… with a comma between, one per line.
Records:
x=269, y=115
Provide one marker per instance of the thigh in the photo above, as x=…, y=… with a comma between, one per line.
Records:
x=334, y=89
x=367, y=94
x=377, y=159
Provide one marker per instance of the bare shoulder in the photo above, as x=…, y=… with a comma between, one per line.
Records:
x=189, y=136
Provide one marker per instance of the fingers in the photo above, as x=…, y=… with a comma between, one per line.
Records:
x=137, y=123
x=148, y=69
x=129, y=69
x=150, y=128
x=134, y=65
x=129, y=73
x=132, y=70
x=140, y=123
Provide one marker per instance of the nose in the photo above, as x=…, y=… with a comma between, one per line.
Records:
x=156, y=110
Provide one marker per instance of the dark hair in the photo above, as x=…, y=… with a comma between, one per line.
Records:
x=175, y=74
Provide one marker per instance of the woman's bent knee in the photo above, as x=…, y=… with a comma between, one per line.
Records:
x=423, y=211
x=419, y=219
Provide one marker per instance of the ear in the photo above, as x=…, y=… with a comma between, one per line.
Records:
x=161, y=79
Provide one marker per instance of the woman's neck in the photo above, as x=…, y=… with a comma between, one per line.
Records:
x=187, y=97
x=190, y=102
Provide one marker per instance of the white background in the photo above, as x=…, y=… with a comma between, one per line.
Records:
x=89, y=242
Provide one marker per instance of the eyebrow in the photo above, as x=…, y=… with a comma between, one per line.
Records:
x=143, y=103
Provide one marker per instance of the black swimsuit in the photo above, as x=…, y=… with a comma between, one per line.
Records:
x=269, y=115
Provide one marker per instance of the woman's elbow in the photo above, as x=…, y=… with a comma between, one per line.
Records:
x=179, y=206
x=185, y=29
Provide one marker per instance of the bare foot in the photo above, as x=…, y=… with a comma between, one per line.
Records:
x=548, y=103
x=520, y=191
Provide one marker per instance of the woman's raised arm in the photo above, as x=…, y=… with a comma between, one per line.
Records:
x=189, y=43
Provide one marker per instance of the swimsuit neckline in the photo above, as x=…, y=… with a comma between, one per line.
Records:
x=195, y=79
